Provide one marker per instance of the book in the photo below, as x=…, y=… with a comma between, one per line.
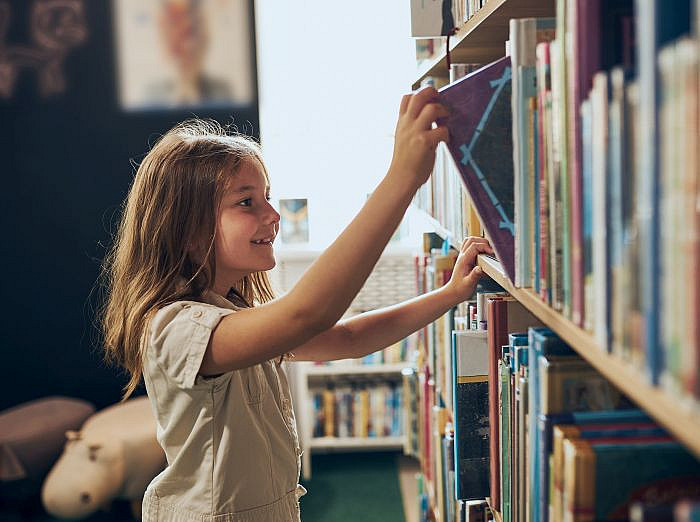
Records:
x=471, y=389
x=504, y=440
x=659, y=25
x=541, y=342
x=524, y=35
x=591, y=431
x=505, y=316
x=603, y=476
x=480, y=143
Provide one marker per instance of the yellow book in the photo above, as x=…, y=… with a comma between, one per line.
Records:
x=329, y=412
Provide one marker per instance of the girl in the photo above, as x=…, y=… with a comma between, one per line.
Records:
x=191, y=310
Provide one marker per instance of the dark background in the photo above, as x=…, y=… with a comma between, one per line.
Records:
x=66, y=168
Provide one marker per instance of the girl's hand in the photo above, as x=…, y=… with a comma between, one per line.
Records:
x=415, y=139
x=466, y=273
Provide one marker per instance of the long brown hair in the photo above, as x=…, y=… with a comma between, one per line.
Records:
x=171, y=207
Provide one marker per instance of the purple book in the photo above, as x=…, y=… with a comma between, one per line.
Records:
x=481, y=143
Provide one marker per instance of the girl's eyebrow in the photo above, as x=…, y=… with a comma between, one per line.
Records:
x=248, y=188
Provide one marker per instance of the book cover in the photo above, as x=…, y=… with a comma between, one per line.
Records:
x=587, y=214
x=659, y=25
x=505, y=409
x=544, y=147
x=618, y=169
x=541, y=341
x=603, y=477
x=546, y=424
x=471, y=414
x=599, y=175
x=480, y=130
x=521, y=408
x=590, y=431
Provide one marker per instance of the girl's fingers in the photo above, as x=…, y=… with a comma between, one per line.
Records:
x=431, y=112
x=437, y=135
x=404, y=104
x=474, y=240
x=419, y=99
x=475, y=249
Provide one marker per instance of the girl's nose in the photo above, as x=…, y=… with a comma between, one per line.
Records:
x=272, y=216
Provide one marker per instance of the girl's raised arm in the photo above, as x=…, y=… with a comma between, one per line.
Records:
x=328, y=287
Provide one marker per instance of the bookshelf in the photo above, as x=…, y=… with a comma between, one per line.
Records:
x=481, y=39
x=679, y=417
x=629, y=315
x=309, y=375
x=392, y=281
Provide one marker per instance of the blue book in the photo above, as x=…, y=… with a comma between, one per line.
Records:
x=541, y=341
x=587, y=197
x=659, y=25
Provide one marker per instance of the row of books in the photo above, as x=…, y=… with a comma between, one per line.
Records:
x=570, y=446
x=358, y=410
x=599, y=211
x=607, y=222
x=535, y=428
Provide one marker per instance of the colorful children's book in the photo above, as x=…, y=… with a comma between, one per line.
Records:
x=481, y=141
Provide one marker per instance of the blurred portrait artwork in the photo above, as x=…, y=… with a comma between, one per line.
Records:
x=184, y=53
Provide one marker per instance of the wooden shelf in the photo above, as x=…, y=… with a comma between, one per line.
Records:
x=358, y=443
x=681, y=418
x=482, y=38
x=357, y=369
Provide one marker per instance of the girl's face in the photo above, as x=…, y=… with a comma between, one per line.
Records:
x=247, y=226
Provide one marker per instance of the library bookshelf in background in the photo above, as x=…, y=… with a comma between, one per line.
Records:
x=606, y=219
x=353, y=405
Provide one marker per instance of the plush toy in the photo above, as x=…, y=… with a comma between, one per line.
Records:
x=115, y=455
x=31, y=439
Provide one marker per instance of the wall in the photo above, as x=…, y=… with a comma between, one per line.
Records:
x=331, y=78
x=65, y=170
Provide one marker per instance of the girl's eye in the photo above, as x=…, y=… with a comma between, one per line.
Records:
x=246, y=202
x=268, y=198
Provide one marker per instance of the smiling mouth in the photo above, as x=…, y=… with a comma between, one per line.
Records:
x=264, y=241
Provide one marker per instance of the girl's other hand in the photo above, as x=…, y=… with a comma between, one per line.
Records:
x=466, y=273
x=416, y=139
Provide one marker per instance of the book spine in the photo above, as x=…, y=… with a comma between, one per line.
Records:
x=599, y=162
x=574, y=97
x=544, y=125
x=556, y=183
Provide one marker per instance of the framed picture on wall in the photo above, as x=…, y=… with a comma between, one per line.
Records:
x=184, y=53
x=294, y=220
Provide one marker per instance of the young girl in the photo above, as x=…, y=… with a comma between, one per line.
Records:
x=191, y=310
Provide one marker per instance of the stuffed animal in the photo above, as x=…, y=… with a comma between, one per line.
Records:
x=31, y=439
x=115, y=455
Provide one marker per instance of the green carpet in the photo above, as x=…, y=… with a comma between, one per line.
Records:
x=344, y=487
x=353, y=486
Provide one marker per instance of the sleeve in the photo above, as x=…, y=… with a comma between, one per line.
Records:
x=178, y=337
